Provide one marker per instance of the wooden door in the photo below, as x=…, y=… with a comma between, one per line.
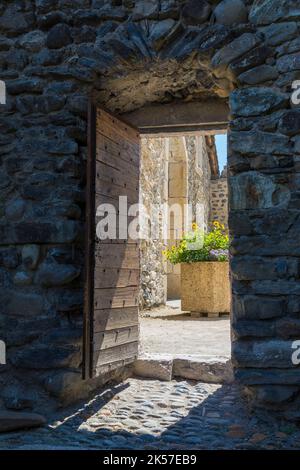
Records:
x=112, y=266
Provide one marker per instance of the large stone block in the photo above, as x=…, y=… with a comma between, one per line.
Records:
x=266, y=353
x=196, y=12
x=279, y=32
x=25, y=85
x=9, y=258
x=19, y=332
x=33, y=41
x=59, y=36
x=64, y=231
x=279, y=287
x=289, y=124
x=56, y=274
x=256, y=101
x=21, y=304
x=265, y=12
x=31, y=255
x=258, y=268
x=206, y=369
x=13, y=21
x=260, y=74
x=39, y=104
x=16, y=421
x=154, y=367
x=254, y=329
x=164, y=32
x=234, y=50
x=288, y=328
x=47, y=357
x=19, y=397
x=274, y=394
x=256, y=376
x=231, y=12
x=259, y=307
x=252, y=190
x=259, y=143
x=146, y=9
x=289, y=63
x=64, y=385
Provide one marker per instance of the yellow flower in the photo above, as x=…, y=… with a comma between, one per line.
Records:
x=194, y=226
x=216, y=224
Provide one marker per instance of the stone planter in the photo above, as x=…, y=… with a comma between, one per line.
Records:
x=205, y=287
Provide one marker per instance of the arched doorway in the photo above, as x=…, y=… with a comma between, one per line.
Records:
x=130, y=56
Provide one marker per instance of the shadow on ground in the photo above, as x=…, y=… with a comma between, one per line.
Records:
x=221, y=421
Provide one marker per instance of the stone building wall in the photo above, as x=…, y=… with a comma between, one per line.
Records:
x=126, y=54
x=153, y=193
x=173, y=170
x=199, y=176
x=219, y=200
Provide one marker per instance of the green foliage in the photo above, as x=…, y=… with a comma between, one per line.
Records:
x=198, y=246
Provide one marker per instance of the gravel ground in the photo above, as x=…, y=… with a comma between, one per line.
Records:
x=165, y=330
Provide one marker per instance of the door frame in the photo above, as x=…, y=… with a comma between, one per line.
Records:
x=149, y=124
x=87, y=363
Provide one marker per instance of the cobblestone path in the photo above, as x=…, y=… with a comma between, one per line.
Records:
x=144, y=414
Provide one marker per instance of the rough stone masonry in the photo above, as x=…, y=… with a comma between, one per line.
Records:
x=53, y=55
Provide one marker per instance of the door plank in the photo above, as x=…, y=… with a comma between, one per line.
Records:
x=115, y=354
x=115, y=176
x=116, y=297
x=117, y=256
x=108, y=339
x=114, y=276
x=113, y=318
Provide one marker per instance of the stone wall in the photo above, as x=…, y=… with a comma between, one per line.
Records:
x=153, y=193
x=53, y=55
x=173, y=170
x=219, y=200
x=199, y=176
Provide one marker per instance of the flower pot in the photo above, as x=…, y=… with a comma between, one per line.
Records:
x=205, y=287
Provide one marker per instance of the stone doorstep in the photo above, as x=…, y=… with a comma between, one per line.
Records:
x=18, y=420
x=207, y=369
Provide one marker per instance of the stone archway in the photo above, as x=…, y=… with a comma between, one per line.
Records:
x=128, y=55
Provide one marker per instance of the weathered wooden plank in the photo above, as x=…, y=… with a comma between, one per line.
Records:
x=115, y=176
x=117, y=124
x=114, y=201
x=116, y=161
x=109, y=278
x=116, y=297
x=120, y=230
x=117, y=353
x=109, y=339
x=194, y=115
x=112, y=318
x=114, y=135
x=106, y=368
x=108, y=189
x=127, y=152
x=113, y=128
x=117, y=256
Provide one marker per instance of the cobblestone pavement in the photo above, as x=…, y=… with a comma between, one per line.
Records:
x=144, y=414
